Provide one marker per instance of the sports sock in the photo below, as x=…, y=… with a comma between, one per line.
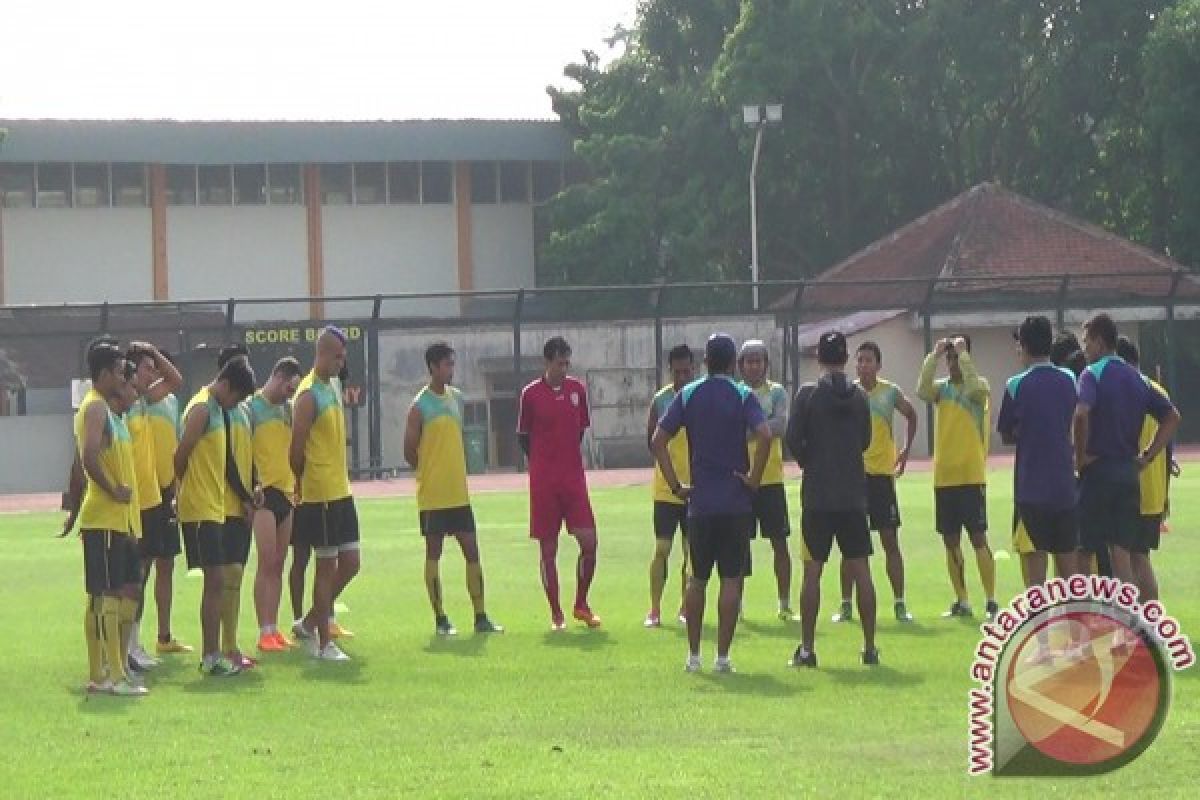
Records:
x=954, y=566
x=91, y=634
x=110, y=637
x=231, y=606
x=987, y=571
x=475, y=587
x=127, y=614
x=900, y=601
x=433, y=586
x=585, y=570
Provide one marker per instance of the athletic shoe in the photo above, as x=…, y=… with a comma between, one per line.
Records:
x=723, y=666
x=284, y=641
x=135, y=678
x=803, y=659
x=681, y=618
x=992, y=609
x=338, y=632
x=902, y=614
x=270, y=643
x=171, y=647
x=870, y=657
x=132, y=667
x=302, y=633
x=586, y=616
x=692, y=664
x=442, y=625
x=958, y=609
x=313, y=646
x=845, y=613
x=331, y=652
x=220, y=668
x=127, y=689
x=652, y=620
x=243, y=661
x=98, y=687
x=787, y=615
x=142, y=658
x=485, y=625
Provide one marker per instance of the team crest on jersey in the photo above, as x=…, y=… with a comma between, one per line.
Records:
x=575, y=399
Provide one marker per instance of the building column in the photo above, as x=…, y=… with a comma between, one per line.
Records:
x=158, y=231
x=462, y=218
x=316, y=247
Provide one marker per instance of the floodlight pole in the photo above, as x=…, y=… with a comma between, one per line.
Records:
x=758, y=137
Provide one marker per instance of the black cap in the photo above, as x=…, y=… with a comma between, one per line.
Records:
x=831, y=349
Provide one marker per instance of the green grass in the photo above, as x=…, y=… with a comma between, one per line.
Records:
x=530, y=714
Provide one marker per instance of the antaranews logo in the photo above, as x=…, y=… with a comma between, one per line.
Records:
x=1074, y=679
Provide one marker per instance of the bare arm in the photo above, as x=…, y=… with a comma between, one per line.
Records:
x=304, y=413
x=658, y=446
x=193, y=428
x=651, y=427
x=973, y=385
x=777, y=419
x=412, y=435
x=909, y=413
x=926, y=389
x=170, y=382
x=72, y=499
x=95, y=423
x=762, y=435
x=1162, y=437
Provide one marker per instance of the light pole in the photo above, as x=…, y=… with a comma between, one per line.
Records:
x=757, y=117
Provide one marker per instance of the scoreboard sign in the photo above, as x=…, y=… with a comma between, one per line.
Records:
x=269, y=343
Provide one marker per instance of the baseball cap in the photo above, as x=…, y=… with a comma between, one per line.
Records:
x=831, y=348
x=720, y=347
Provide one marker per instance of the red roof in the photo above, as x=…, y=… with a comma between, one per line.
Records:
x=990, y=247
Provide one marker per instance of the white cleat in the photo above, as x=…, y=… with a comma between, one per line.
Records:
x=723, y=666
x=301, y=632
x=331, y=652
x=141, y=659
x=692, y=664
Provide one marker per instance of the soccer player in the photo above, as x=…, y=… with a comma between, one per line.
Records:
x=715, y=413
x=670, y=511
x=551, y=423
x=959, y=465
x=770, y=500
x=154, y=378
x=830, y=429
x=164, y=421
x=433, y=447
x=884, y=465
x=200, y=463
x=243, y=497
x=109, y=521
x=1036, y=415
x=1114, y=400
x=326, y=519
x=271, y=426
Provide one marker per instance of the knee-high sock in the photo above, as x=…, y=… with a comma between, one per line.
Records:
x=658, y=572
x=685, y=563
x=475, y=586
x=987, y=570
x=433, y=585
x=128, y=622
x=91, y=634
x=954, y=567
x=110, y=637
x=549, y=571
x=585, y=570
x=231, y=606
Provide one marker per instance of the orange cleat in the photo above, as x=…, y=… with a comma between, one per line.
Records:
x=585, y=615
x=336, y=631
x=269, y=643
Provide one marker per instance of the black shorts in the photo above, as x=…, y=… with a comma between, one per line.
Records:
x=327, y=526
x=447, y=521
x=821, y=528
x=668, y=517
x=1110, y=512
x=1051, y=530
x=959, y=507
x=278, y=503
x=204, y=544
x=1150, y=533
x=110, y=561
x=235, y=540
x=771, y=512
x=160, y=530
x=722, y=540
x=883, y=510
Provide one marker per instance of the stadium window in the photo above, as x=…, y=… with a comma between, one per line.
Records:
x=547, y=180
x=370, y=184
x=404, y=182
x=514, y=181
x=53, y=186
x=483, y=181
x=91, y=186
x=214, y=183
x=335, y=184
x=249, y=184
x=181, y=185
x=286, y=186
x=16, y=185
x=437, y=184
x=128, y=184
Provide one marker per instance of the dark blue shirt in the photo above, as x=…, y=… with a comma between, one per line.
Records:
x=1038, y=410
x=1119, y=400
x=716, y=413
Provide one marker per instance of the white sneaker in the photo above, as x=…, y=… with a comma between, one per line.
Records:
x=143, y=660
x=127, y=689
x=301, y=632
x=692, y=664
x=723, y=666
x=331, y=652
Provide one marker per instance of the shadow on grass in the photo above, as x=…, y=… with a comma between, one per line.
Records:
x=248, y=681
x=761, y=684
x=470, y=646
x=915, y=629
x=579, y=639
x=349, y=673
x=106, y=704
x=776, y=630
x=881, y=675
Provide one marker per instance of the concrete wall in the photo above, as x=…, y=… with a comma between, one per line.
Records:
x=84, y=255
x=38, y=453
x=502, y=245
x=242, y=252
x=388, y=249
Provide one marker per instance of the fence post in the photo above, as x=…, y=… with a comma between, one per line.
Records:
x=229, y=311
x=104, y=318
x=1061, y=306
x=928, y=331
x=794, y=324
x=374, y=393
x=518, y=309
x=1169, y=333
x=658, y=333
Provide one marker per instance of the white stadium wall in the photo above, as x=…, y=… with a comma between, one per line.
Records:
x=389, y=249
x=502, y=245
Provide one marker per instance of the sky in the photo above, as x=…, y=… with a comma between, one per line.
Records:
x=268, y=59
